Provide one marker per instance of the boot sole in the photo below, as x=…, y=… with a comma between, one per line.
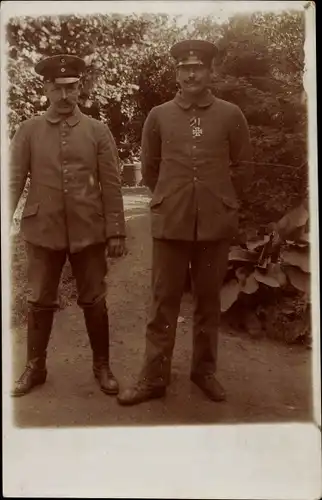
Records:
x=140, y=401
x=109, y=392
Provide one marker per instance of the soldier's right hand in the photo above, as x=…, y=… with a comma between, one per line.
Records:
x=116, y=247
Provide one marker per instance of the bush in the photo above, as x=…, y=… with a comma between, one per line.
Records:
x=129, y=70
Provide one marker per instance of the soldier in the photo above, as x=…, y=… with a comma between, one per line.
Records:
x=74, y=210
x=188, y=146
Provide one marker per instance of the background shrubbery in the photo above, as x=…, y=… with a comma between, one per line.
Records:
x=259, y=67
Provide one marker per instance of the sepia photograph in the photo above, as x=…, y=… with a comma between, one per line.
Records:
x=159, y=212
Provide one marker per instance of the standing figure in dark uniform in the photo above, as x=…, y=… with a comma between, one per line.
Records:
x=190, y=146
x=74, y=210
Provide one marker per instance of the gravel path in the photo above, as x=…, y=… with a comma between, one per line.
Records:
x=265, y=381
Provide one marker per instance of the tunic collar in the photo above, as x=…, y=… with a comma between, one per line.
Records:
x=53, y=117
x=205, y=100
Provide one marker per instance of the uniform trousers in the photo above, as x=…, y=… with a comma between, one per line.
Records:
x=170, y=264
x=45, y=267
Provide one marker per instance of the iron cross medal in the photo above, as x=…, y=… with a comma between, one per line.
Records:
x=196, y=128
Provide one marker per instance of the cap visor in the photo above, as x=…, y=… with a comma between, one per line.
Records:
x=70, y=79
x=191, y=63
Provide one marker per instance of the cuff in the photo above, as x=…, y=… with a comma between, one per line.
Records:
x=115, y=226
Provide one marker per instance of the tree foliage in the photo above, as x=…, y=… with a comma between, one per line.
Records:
x=129, y=70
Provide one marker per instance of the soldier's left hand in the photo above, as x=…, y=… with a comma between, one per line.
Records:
x=116, y=247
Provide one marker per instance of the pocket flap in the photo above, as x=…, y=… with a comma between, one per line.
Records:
x=156, y=200
x=231, y=203
x=30, y=210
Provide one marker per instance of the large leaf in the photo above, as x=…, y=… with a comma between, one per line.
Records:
x=239, y=255
x=298, y=279
x=295, y=219
x=229, y=294
x=297, y=258
x=299, y=216
x=252, y=245
x=305, y=237
x=266, y=279
x=275, y=271
x=251, y=285
x=299, y=244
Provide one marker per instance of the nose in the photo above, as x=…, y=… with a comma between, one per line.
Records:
x=63, y=93
x=192, y=72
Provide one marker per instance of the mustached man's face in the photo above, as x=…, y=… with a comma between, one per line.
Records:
x=194, y=79
x=63, y=97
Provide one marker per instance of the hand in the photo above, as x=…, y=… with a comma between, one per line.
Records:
x=116, y=247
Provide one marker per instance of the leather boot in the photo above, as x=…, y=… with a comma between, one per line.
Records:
x=39, y=329
x=209, y=386
x=97, y=324
x=140, y=393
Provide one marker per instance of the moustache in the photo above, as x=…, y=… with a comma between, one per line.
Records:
x=65, y=102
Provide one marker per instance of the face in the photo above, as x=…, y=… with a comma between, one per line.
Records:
x=62, y=96
x=194, y=79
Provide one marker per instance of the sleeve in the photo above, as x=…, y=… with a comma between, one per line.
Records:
x=151, y=150
x=110, y=181
x=19, y=166
x=240, y=152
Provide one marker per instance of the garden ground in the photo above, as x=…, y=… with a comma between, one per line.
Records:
x=266, y=381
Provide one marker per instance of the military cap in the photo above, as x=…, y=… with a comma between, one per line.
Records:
x=193, y=52
x=63, y=68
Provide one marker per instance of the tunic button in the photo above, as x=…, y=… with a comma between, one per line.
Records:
x=65, y=180
x=64, y=143
x=195, y=178
x=65, y=171
x=65, y=190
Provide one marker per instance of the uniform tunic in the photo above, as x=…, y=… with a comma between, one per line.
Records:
x=75, y=197
x=187, y=151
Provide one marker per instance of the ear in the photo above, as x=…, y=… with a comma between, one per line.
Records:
x=46, y=88
x=213, y=70
x=213, y=75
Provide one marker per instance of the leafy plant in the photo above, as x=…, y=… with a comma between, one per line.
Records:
x=267, y=285
x=259, y=265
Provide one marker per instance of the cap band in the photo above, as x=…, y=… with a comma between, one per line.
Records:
x=70, y=79
x=191, y=60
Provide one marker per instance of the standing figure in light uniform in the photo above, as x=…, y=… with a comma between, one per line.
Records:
x=190, y=147
x=74, y=210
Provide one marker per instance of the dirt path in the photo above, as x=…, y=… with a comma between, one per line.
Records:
x=265, y=381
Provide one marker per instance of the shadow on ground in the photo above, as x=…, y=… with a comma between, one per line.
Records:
x=265, y=381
